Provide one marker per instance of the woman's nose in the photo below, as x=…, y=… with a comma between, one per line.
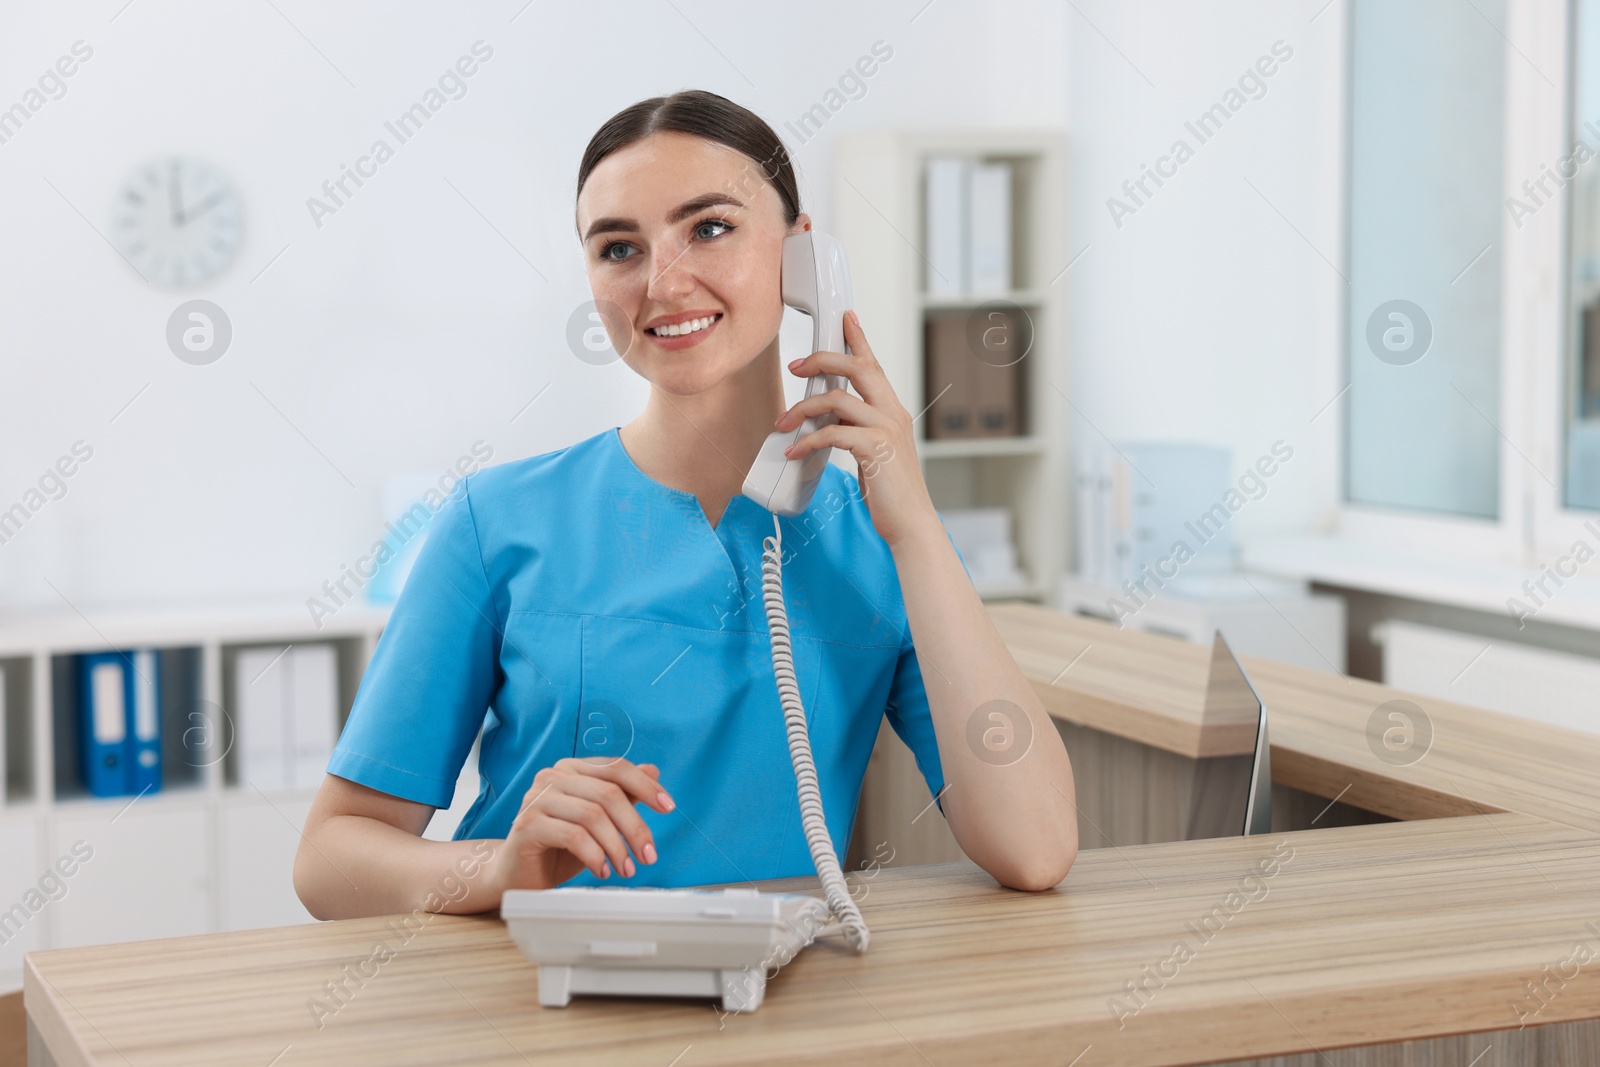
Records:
x=669, y=273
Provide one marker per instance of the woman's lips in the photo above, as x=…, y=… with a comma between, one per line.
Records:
x=688, y=340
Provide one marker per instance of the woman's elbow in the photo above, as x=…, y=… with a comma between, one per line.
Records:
x=1046, y=873
x=308, y=886
x=1043, y=868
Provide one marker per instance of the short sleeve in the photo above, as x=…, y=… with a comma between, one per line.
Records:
x=428, y=686
x=908, y=710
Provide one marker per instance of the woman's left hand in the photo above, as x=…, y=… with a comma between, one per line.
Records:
x=876, y=430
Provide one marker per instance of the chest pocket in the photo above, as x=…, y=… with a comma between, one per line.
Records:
x=538, y=702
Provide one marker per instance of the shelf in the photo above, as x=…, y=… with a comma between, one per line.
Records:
x=1021, y=297
x=880, y=188
x=203, y=853
x=97, y=629
x=189, y=796
x=977, y=447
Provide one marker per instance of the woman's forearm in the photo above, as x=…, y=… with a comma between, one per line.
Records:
x=1009, y=797
x=350, y=866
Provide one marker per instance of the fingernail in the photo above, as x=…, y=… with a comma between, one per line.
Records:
x=605, y=869
x=795, y=364
x=649, y=852
x=627, y=866
x=665, y=801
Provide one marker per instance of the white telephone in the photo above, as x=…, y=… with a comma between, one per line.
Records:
x=690, y=942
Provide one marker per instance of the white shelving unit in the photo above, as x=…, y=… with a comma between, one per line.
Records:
x=208, y=852
x=878, y=214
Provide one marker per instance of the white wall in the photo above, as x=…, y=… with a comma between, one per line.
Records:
x=406, y=328
x=1206, y=316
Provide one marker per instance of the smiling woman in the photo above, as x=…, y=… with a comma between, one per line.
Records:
x=598, y=599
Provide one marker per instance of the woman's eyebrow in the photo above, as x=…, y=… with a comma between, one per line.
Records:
x=689, y=207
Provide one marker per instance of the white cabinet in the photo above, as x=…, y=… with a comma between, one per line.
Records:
x=146, y=876
x=207, y=851
x=256, y=845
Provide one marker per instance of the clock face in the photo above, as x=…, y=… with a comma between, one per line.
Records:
x=178, y=221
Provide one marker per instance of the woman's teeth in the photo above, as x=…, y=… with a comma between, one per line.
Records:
x=678, y=329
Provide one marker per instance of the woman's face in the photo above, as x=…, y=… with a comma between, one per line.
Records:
x=678, y=230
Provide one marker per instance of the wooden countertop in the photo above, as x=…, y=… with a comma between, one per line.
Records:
x=1149, y=688
x=1357, y=927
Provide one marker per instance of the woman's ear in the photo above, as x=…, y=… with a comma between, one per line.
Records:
x=802, y=223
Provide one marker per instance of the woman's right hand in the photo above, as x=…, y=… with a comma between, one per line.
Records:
x=579, y=813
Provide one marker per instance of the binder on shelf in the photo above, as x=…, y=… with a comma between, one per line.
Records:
x=313, y=712
x=286, y=704
x=996, y=400
x=945, y=226
x=119, y=709
x=989, y=228
x=997, y=375
x=146, y=738
x=949, y=369
x=1086, y=515
x=1144, y=505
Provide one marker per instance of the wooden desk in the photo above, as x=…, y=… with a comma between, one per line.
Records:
x=1425, y=932
x=1148, y=689
x=1365, y=934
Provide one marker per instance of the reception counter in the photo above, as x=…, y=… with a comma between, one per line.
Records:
x=1466, y=932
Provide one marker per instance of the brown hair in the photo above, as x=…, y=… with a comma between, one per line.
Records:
x=703, y=114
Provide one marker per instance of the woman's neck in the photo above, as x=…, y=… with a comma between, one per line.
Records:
x=704, y=444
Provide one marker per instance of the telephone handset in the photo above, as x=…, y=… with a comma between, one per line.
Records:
x=816, y=280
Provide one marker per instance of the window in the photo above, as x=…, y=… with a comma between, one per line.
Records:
x=1472, y=417
x=1427, y=105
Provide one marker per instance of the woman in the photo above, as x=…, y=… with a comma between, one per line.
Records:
x=601, y=603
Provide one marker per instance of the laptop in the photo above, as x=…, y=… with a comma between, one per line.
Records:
x=1232, y=795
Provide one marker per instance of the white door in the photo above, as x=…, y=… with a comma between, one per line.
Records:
x=147, y=874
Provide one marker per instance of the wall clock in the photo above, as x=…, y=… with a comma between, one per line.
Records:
x=178, y=221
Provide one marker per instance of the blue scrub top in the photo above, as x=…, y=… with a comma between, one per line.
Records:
x=570, y=605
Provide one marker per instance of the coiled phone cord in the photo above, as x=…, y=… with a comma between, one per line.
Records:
x=805, y=769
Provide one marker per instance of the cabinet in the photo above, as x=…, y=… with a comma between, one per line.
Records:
x=207, y=852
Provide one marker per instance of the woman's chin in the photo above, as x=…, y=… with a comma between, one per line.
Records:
x=685, y=378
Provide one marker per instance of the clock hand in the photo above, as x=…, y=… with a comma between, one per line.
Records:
x=177, y=198
x=205, y=205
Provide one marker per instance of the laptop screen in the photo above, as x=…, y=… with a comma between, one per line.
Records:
x=1232, y=795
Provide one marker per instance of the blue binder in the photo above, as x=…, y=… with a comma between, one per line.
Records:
x=121, y=722
x=144, y=721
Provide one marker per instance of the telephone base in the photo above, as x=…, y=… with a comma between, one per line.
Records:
x=740, y=989
x=659, y=942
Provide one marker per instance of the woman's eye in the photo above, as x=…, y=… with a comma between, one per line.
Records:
x=605, y=253
x=701, y=228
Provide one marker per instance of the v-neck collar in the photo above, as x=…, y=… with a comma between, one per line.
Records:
x=683, y=495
